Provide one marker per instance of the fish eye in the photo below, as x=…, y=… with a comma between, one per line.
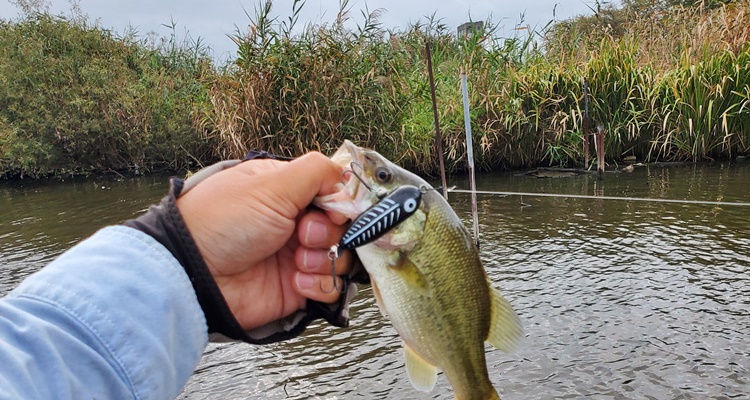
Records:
x=383, y=175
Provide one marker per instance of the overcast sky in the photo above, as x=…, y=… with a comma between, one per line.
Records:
x=213, y=20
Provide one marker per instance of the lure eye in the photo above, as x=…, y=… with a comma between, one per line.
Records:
x=383, y=175
x=410, y=205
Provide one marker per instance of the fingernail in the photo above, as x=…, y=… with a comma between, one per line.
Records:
x=313, y=259
x=316, y=233
x=305, y=281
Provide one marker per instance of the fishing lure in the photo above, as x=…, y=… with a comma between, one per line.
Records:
x=381, y=217
x=376, y=221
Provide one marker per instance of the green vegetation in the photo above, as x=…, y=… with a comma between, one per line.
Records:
x=669, y=82
x=75, y=99
x=673, y=85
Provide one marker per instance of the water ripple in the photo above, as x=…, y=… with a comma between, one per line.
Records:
x=618, y=300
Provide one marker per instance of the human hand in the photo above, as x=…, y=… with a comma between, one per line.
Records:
x=267, y=251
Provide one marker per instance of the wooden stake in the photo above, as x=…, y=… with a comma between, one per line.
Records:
x=438, y=137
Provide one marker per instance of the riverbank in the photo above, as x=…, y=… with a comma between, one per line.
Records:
x=81, y=100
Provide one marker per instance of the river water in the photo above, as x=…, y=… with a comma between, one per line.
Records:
x=622, y=300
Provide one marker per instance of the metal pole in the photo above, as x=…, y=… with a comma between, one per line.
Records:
x=470, y=156
x=438, y=137
x=586, y=122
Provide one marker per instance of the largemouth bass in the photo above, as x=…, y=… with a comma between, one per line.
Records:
x=427, y=279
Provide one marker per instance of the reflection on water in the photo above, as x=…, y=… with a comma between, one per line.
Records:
x=39, y=220
x=618, y=299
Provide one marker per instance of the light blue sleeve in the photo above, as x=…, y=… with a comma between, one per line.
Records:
x=115, y=317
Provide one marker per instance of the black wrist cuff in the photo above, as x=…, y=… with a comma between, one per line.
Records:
x=165, y=224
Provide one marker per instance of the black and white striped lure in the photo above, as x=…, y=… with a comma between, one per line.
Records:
x=383, y=216
x=375, y=222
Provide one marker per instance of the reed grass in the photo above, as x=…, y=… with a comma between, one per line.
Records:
x=669, y=87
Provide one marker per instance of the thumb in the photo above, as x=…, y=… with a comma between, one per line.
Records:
x=321, y=177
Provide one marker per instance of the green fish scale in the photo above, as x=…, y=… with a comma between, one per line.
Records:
x=447, y=322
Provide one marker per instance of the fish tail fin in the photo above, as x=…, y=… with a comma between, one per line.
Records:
x=505, y=329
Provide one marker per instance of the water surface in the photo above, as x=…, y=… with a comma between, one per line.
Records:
x=623, y=300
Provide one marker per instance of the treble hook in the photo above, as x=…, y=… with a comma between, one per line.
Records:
x=333, y=254
x=351, y=170
x=380, y=193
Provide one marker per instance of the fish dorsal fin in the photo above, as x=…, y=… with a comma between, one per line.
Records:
x=378, y=299
x=422, y=374
x=505, y=328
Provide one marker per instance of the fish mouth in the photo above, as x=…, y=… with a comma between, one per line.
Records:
x=350, y=157
x=347, y=155
x=353, y=195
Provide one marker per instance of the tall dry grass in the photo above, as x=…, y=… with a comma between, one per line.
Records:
x=673, y=86
x=289, y=94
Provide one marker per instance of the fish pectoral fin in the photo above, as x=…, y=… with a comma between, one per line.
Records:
x=411, y=274
x=505, y=328
x=378, y=299
x=422, y=374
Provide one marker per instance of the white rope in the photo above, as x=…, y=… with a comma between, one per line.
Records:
x=583, y=196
